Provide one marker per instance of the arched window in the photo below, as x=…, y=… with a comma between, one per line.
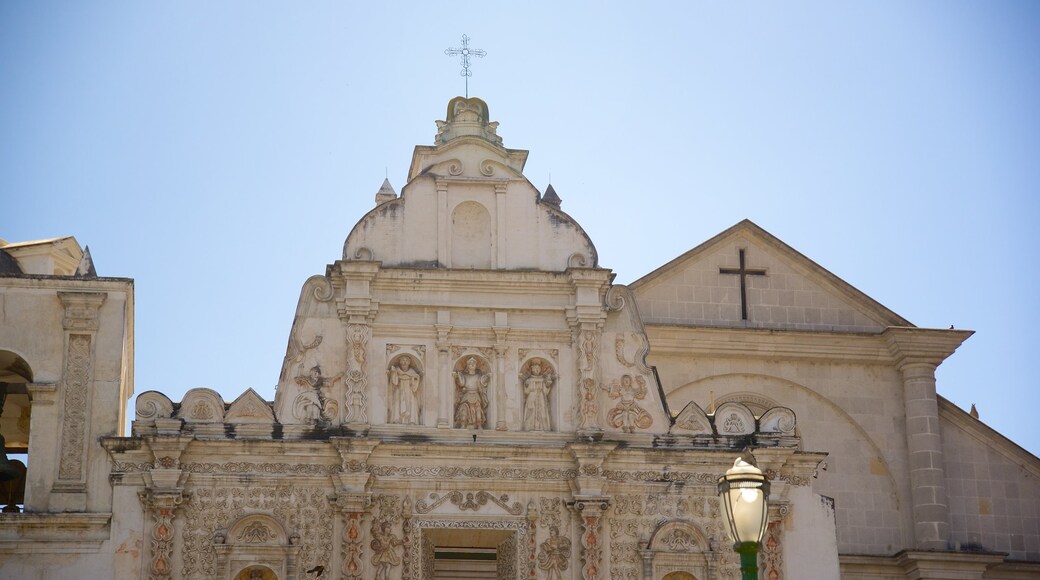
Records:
x=15, y=415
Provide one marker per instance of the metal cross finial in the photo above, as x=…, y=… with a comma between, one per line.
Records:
x=465, y=52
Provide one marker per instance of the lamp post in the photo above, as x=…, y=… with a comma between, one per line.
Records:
x=743, y=493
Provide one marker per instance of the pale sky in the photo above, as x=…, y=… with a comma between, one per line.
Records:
x=220, y=152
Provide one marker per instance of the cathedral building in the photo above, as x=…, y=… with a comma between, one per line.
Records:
x=466, y=394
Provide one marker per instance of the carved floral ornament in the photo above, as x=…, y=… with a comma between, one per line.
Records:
x=468, y=501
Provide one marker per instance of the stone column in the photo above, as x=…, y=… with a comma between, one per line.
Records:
x=352, y=500
x=917, y=353
x=357, y=310
x=161, y=505
x=500, y=388
x=353, y=507
x=406, y=538
x=591, y=510
x=445, y=386
x=162, y=499
x=43, y=418
x=532, y=530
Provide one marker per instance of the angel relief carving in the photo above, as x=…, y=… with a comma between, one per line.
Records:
x=314, y=404
x=627, y=415
x=405, y=391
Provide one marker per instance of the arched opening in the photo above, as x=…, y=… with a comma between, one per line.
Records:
x=679, y=576
x=256, y=572
x=15, y=416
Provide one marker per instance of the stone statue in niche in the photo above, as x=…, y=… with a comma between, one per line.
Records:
x=555, y=555
x=537, y=381
x=627, y=415
x=384, y=549
x=405, y=393
x=314, y=404
x=471, y=399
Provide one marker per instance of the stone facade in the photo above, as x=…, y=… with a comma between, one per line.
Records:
x=465, y=394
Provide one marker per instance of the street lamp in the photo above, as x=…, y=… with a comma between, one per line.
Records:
x=743, y=493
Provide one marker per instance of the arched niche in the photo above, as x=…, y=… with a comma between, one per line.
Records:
x=256, y=546
x=256, y=572
x=538, y=392
x=405, y=378
x=471, y=236
x=472, y=381
x=678, y=550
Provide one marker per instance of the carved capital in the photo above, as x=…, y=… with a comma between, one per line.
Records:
x=42, y=393
x=81, y=310
x=915, y=347
x=351, y=503
x=162, y=506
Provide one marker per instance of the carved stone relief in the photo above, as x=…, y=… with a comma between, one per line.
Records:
x=537, y=378
x=76, y=382
x=201, y=405
x=627, y=415
x=668, y=523
x=404, y=390
x=303, y=509
x=357, y=377
x=162, y=508
x=588, y=402
x=777, y=420
x=734, y=419
x=315, y=403
x=554, y=555
x=468, y=501
x=773, y=551
x=385, y=543
x=518, y=526
x=295, y=352
x=692, y=420
x=472, y=376
x=153, y=405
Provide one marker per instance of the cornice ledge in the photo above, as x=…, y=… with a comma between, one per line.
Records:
x=795, y=344
x=73, y=528
x=940, y=564
x=911, y=345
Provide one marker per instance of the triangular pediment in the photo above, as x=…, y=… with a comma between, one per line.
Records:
x=782, y=289
x=249, y=407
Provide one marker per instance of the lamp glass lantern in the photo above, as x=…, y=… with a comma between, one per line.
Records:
x=743, y=493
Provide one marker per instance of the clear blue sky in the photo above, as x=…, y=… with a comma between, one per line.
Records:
x=220, y=152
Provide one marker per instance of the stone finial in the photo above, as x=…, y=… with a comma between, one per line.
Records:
x=550, y=197
x=467, y=116
x=86, y=265
x=974, y=412
x=386, y=192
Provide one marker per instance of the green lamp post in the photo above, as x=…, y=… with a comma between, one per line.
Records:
x=743, y=493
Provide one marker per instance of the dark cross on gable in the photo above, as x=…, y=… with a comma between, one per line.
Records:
x=465, y=52
x=743, y=272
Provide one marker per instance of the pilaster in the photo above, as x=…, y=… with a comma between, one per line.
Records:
x=590, y=510
x=917, y=352
x=80, y=324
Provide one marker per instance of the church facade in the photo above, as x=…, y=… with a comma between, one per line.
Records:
x=466, y=394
